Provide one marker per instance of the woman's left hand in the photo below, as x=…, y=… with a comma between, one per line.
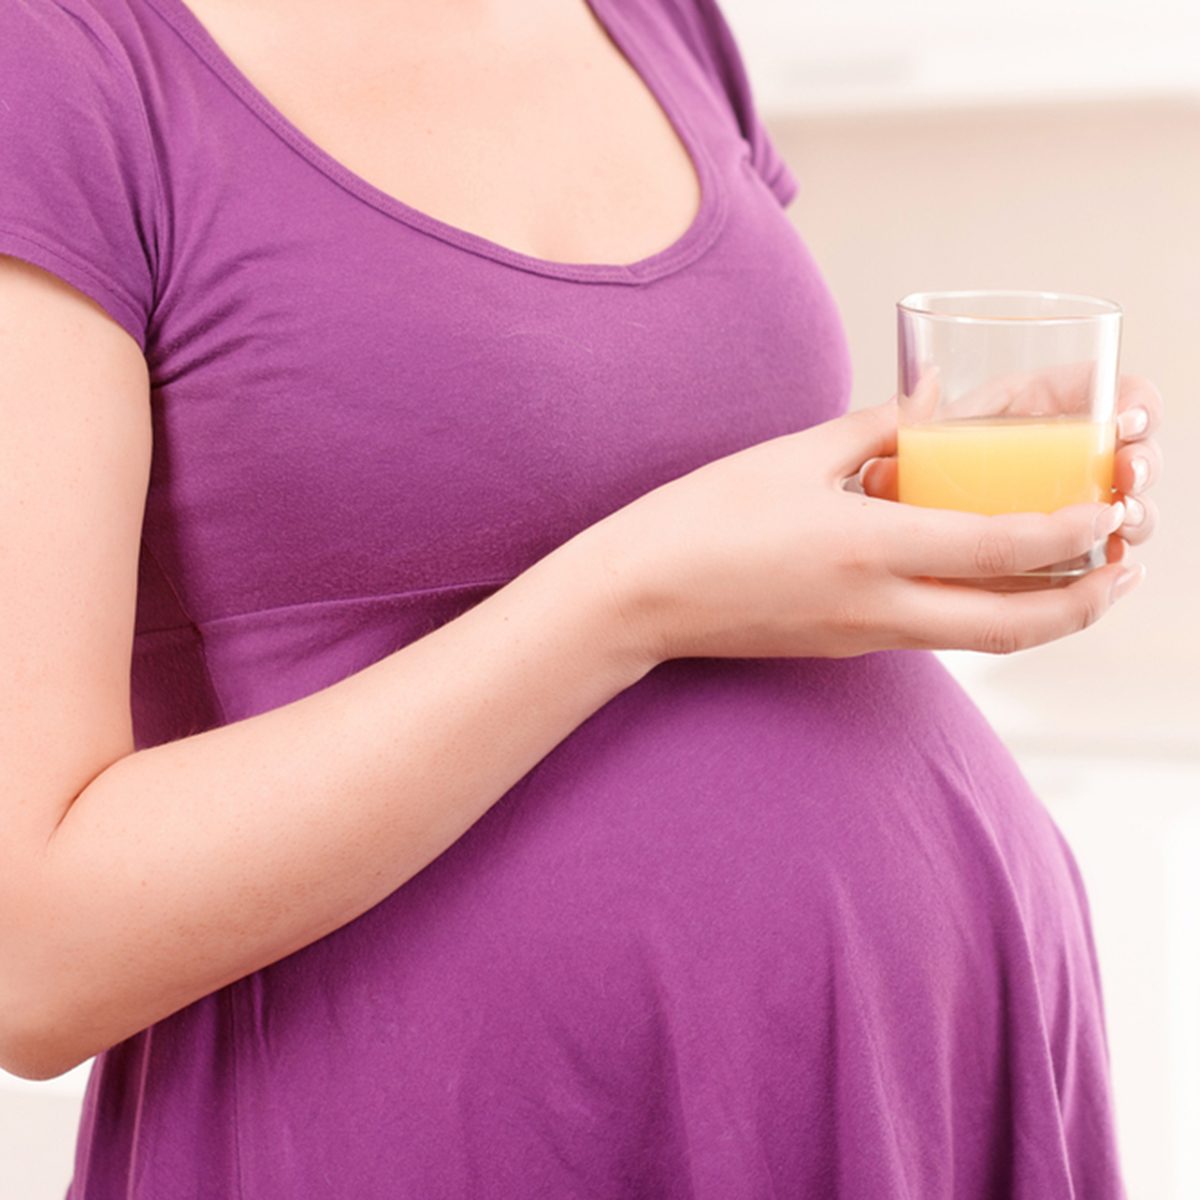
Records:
x=1137, y=464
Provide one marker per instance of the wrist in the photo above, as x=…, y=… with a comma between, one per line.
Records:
x=603, y=575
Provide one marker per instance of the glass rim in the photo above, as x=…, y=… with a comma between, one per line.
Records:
x=1104, y=308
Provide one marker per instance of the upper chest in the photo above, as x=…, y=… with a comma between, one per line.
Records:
x=530, y=128
x=350, y=399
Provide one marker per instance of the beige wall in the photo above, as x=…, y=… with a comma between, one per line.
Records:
x=1092, y=198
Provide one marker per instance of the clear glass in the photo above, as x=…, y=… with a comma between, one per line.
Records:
x=1007, y=403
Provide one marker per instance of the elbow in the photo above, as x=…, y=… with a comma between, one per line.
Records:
x=35, y=1045
x=44, y=1029
x=38, y=1057
x=34, y=1062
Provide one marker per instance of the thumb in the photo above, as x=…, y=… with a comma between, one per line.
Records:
x=861, y=434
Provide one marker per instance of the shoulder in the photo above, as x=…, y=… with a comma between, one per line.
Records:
x=67, y=67
x=82, y=195
x=703, y=32
x=702, y=27
x=67, y=47
x=77, y=27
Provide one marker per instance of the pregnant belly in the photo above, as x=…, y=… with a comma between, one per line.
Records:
x=795, y=916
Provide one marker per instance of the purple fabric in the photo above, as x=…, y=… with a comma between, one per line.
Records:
x=758, y=928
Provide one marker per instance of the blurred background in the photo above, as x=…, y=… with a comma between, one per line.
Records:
x=1049, y=144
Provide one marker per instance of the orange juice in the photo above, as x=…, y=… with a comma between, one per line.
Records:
x=1007, y=464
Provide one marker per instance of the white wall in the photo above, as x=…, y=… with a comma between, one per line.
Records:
x=874, y=54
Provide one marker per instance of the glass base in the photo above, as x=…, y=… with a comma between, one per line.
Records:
x=1055, y=575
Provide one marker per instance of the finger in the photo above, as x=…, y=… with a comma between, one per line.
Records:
x=1139, y=407
x=923, y=401
x=1059, y=388
x=1141, y=516
x=952, y=616
x=858, y=435
x=947, y=543
x=879, y=478
x=1137, y=466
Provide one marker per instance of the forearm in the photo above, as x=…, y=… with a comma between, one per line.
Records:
x=188, y=865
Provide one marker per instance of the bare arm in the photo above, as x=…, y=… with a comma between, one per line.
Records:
x=185, y=866
x=182, y=867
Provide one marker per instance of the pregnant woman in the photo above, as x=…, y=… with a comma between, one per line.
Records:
x=533, y=778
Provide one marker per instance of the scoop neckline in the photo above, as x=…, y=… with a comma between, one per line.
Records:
x=691, y=243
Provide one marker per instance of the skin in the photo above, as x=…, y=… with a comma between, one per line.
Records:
x=518, y=122
x=766, y=552
x=135, y=882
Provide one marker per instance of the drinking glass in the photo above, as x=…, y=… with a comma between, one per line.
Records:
x=1007, y=403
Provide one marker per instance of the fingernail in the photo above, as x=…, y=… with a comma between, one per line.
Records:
x=1109, y=519
x=1132, y=422
x=1141, y=472
x=1135, y=511
x=1128, y=579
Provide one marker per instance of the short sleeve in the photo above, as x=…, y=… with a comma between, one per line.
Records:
x=715, y=44
x=78, y=189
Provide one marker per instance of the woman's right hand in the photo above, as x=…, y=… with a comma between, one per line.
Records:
x=765, y=553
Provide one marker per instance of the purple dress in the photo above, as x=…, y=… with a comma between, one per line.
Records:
x=759, y=927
